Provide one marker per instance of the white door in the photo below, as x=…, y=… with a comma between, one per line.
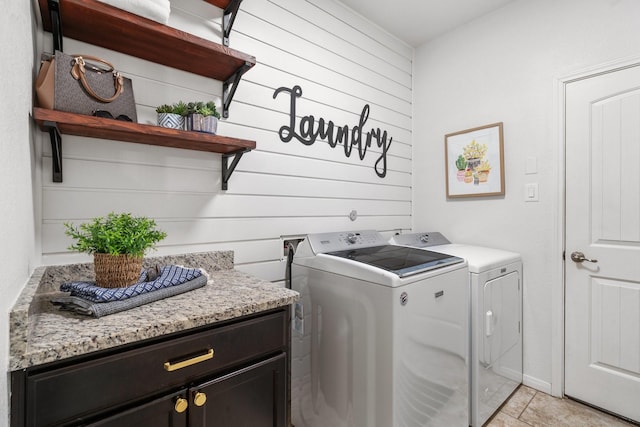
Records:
x=602, y=325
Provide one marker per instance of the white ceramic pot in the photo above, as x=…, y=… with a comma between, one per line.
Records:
x=171, y=120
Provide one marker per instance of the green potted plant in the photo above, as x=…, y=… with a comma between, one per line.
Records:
x=461, y=165
x=172, y=116
x=483, y=170
x=202, y=117
x=117, y=243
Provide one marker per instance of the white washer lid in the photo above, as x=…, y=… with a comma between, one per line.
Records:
x=479, y=258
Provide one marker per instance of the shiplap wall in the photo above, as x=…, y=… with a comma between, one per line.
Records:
x=341, y=61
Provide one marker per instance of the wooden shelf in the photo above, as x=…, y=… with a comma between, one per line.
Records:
x=100, y=24
x=97, y=127
x=57, y=122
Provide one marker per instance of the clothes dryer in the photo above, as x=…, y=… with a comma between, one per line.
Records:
x=380, y=334
x=495, y=279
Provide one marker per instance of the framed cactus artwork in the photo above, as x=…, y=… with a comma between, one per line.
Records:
x=474, y=160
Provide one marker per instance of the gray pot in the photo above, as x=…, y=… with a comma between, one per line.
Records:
x=473, y=163
x=171, y=120
x=200, y=123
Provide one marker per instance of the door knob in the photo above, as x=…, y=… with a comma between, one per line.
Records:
x=579, y=257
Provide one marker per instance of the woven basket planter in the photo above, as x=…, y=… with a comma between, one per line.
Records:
x=116, y=271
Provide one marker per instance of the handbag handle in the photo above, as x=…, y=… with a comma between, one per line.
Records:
x=78, y=72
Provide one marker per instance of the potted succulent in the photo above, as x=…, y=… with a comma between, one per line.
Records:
x=461, y=165
x=172, y=116
x=202, y=117
x=117, y=243
x=483, y=170
x=468, y=176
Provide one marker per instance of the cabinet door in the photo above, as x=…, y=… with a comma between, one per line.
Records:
x=162, y=412
x=255, y=396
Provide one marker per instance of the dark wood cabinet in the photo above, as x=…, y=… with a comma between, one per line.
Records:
x=236, y=370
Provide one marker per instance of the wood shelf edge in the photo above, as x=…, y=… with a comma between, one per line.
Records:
x=96, y=127
x=222, y=4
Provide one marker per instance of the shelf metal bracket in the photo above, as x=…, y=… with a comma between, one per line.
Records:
x=56, y=150
x=227, y=20
x=229, y=87
x=56, y=24
x=52, y=127
x=227, y=169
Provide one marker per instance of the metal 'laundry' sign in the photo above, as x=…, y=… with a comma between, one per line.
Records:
x=308, y=130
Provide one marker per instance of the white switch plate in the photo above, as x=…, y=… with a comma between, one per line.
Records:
x=531, y=167
x=531, y=192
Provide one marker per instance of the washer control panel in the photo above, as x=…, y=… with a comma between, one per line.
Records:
x=420, y=240
x=331, y=242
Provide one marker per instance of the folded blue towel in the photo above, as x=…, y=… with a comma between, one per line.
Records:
x=99, y=309
x=170, y=275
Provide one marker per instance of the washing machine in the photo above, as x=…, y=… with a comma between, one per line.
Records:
x=380, y=334
x=495, y=279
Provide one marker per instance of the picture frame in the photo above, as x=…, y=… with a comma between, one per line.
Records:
x=474, y=162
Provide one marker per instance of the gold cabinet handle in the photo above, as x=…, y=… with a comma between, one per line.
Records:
x=168, y=366
x=199, y=398
x=181, y=405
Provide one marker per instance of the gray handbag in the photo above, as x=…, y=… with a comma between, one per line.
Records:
x=85, y=85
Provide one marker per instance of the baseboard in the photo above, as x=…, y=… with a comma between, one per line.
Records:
x=537, y=384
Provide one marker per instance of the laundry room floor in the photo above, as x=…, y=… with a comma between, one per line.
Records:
x=528, y=407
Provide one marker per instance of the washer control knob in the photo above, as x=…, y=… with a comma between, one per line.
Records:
x=352, y=238
x=424, y=238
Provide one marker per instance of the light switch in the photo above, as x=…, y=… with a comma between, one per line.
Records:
x=531, y=192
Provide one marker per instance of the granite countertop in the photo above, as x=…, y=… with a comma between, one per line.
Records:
x=41, y=333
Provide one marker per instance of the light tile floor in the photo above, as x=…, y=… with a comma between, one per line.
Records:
x=528, y=407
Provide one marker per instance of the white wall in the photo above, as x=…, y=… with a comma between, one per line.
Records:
x=16, y=159
x=505, y=67
x=341, y=62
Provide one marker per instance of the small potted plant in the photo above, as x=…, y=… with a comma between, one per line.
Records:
x=468, y=176
x=117, y=243
x=172, y=116
x=483, y=170
x=202, y=117
x=461, y=165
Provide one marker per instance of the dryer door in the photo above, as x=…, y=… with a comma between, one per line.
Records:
x=501, y=318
